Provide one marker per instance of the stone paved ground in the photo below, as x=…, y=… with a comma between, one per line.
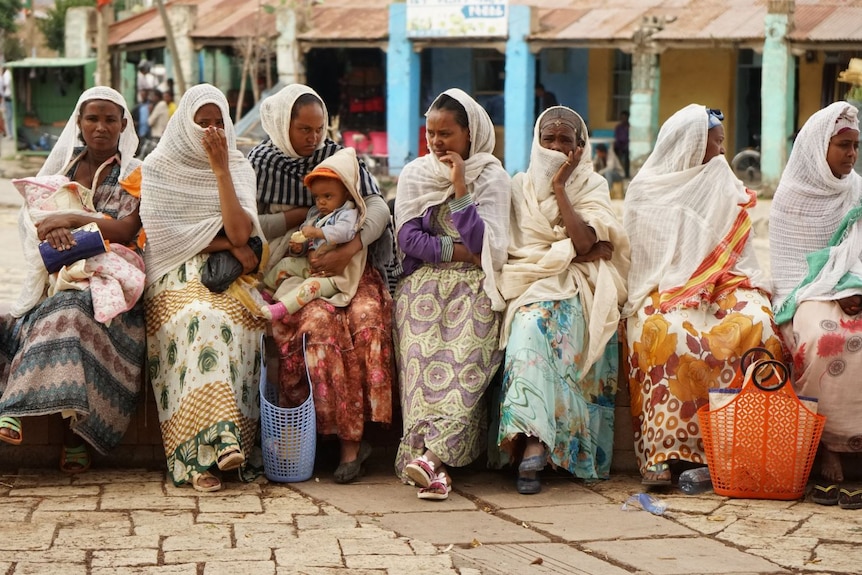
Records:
x=133, y=521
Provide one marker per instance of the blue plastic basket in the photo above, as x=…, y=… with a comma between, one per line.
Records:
x=288, y=434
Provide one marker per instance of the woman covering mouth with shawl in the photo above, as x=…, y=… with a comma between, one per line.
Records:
x=452, y=224
x=815, y=242
x=565, y=284
x=203, y=347
x=697, y=297
x=58, y=357
x=350, y=347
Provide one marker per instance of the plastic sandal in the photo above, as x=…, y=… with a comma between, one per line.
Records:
x=198, y=484
x=420, y=471
x=74, y=459
x=12, y=424
x=825, y=493
x=849, y=498
x=661, y=474
x=437, y=490
x=230, y=458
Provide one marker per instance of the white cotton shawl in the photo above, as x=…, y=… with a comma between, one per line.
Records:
x=275, y=114
x=677, y=210
x=809, y=204
x=58, y=162
x=424, y=183
x=61, y=154
x=540, y=264
x=180, y=206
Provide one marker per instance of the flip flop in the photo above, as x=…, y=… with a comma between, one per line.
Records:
x=661, y=475
x=74, y=460
x=825, y=493
x=850, y=498
x=12, y=424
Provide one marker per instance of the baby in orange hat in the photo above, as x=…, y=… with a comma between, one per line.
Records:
x=337, y=215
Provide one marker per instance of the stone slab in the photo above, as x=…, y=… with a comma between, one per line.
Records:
x=376, y=495
x=187, y=569
x=498, y=490
x=593, y=522
x=256, y=567
x=203, y=536
x=458, y=528
x=682, y=556
x=535, y=559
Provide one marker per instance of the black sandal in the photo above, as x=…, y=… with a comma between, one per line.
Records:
x=850, y=498
x=825, y=493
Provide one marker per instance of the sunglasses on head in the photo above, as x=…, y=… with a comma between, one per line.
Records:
x=715, y=112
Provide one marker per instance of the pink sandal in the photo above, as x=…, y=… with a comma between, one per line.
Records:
x=437, y=490
x=420, y=472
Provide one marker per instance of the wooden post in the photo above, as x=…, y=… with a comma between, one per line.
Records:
x=104, y=19
x=180, y=85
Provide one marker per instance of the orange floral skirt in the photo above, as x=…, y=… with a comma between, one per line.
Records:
x=674, y=358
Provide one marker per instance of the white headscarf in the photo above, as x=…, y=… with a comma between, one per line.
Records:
x=275, y=114
x=677, y=210
x=808, y=206
x=424, y=183
x=61, y=153
x=180, y=206
x=58, y=162
x=540, y=264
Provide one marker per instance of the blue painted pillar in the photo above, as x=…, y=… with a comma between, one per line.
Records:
x=402, y=92
x=776, y=95
x=519, y=90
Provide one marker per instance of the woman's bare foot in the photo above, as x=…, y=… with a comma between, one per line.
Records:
x=830, y=466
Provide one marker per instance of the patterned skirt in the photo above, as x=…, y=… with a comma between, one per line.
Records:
x=674, y=358
x=203, y=360
x=546, y=395
x=447, y=353
x=826, y=345
x=58, y=359
x=349, y=358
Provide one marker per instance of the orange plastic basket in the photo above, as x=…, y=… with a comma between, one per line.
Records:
x=762, y=444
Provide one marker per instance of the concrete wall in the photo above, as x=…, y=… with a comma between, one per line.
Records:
x=599, y=87
x=705, y=77
x=810, y=87
x=570, y=84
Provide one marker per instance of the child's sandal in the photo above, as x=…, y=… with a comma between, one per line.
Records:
x=437, y=490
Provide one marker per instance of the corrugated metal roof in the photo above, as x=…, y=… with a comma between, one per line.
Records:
x=567, y=21
x=49, y=62
x=828, y=23
x=345, y=21
x=232, y=19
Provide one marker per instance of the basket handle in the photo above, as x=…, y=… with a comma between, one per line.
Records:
x=758, y=369
x=744, y=361
x=305, y=361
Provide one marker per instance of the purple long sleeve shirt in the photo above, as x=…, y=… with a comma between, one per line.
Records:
x=420, y=245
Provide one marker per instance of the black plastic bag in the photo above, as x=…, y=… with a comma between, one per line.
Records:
x=222, y=268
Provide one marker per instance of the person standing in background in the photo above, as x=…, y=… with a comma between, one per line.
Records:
x=159, y=115
x=544, y=99
x=621, y=141
x=7, y=103
x=146, y=80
